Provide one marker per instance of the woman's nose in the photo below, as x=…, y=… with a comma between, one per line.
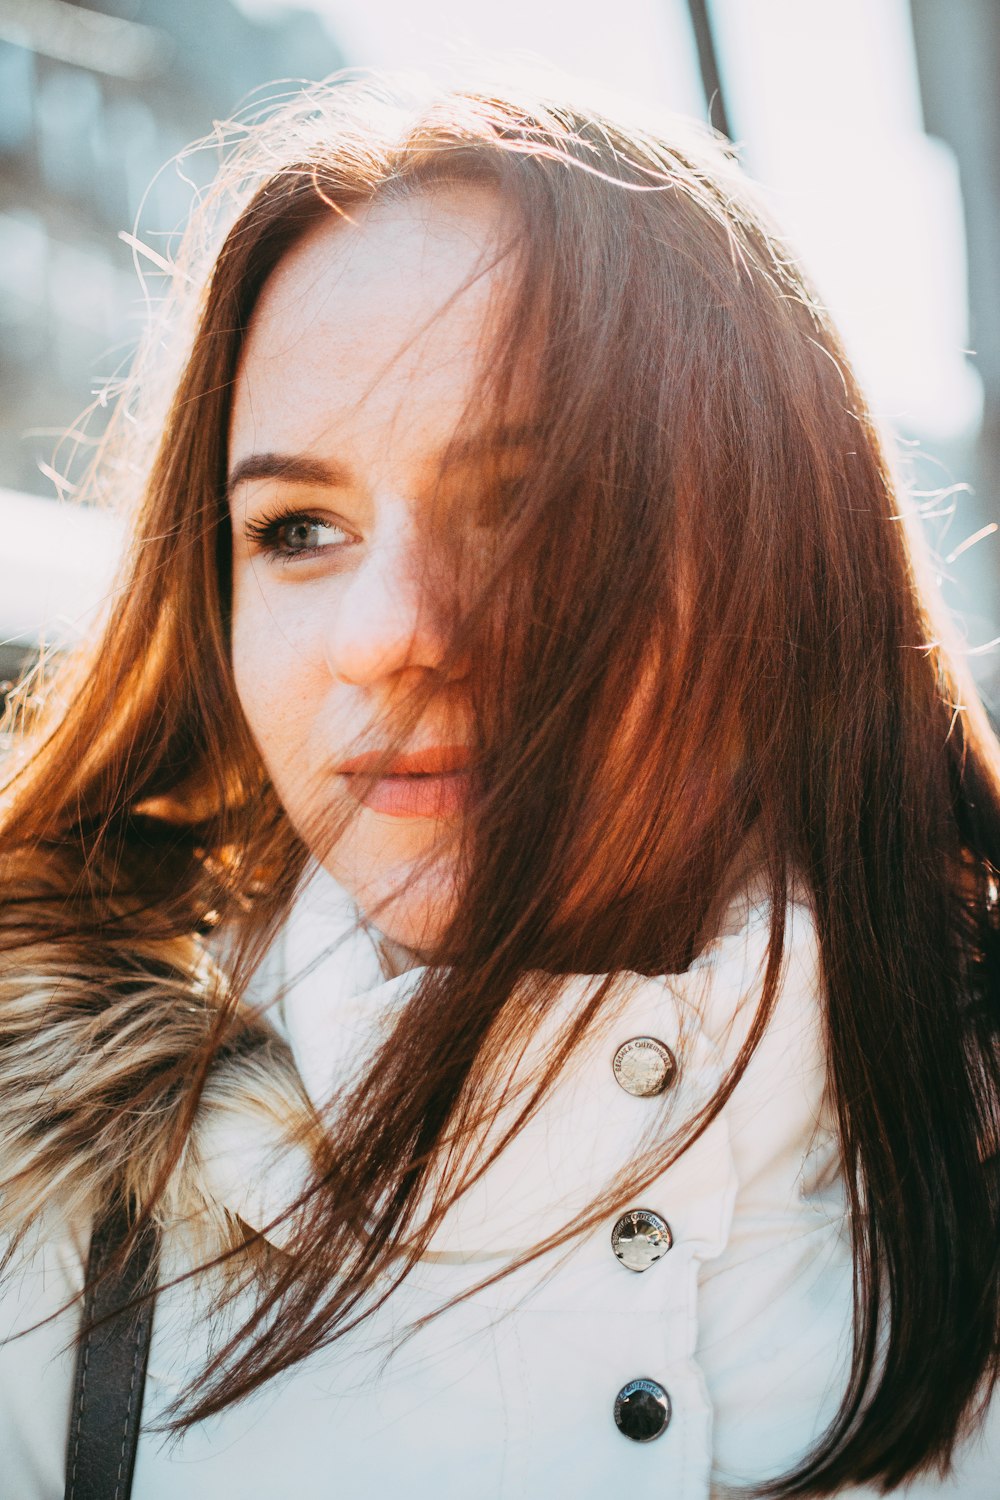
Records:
x=390, y=615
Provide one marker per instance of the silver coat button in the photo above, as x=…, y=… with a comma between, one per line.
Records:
x=642, y=1410
x=644, y=1066
x=640, y=1238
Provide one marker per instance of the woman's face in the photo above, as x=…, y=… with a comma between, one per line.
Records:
x=360, y=360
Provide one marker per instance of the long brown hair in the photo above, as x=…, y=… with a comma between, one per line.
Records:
x=709, y=494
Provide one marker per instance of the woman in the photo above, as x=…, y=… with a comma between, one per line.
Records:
x=518, y=580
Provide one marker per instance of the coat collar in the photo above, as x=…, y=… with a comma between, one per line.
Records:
x=336, y=1007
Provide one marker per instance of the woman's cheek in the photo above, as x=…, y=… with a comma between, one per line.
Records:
x=276, y=683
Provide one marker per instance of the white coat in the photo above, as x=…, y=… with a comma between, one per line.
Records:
x=745, y=1322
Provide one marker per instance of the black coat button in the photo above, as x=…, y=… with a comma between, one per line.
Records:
x=642, y=1410
x=644, y=1066
x=640, y=1238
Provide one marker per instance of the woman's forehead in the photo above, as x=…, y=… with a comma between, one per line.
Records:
x=383, y=318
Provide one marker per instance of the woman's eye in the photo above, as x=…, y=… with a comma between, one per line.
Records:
x=296, y=536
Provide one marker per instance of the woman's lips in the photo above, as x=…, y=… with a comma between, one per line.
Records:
x=414, y=796
x=428, y=783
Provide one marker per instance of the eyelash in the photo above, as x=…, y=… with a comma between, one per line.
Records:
x=264, y=535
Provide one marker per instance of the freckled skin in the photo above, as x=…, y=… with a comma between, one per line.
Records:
x=357, y=357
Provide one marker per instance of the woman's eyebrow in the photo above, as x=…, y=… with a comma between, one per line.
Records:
x=297, y=467
x=300, y=468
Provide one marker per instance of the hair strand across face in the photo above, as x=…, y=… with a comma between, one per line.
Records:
x=701, y=585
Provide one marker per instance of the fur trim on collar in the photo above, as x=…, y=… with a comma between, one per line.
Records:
x=98, y=1074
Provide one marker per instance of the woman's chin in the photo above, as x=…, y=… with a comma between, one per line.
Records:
x=410, y=909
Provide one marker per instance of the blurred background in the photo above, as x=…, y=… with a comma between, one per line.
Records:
x=874, y=125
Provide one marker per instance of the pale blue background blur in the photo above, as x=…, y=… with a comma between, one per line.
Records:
x=874, y=124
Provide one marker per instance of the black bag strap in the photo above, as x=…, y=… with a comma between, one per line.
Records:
x=110, y=1363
